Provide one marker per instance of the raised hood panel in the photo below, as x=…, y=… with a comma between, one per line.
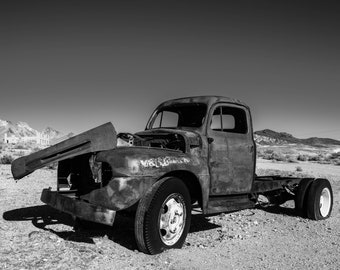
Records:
x=97, y=139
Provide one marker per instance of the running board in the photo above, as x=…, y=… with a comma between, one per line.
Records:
x=222, y=204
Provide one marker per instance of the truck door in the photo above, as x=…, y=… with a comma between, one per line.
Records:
x=231, y=150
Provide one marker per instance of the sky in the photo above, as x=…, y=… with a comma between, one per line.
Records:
x=74, y=65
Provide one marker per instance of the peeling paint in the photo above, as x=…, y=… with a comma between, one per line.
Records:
x=163, y=161
x=133, y=165
x=121, y=183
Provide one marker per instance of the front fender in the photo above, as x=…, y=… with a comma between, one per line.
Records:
x=120, y=192
x=134, y=171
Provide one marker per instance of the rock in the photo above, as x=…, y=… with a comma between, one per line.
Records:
x=34, y=235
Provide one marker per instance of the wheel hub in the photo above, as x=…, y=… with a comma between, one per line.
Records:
x=171, y=221
x=325, y=202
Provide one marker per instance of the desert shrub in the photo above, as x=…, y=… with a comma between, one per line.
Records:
x=21, y=153
x=278, y=157
x=335, y=155
x=268, y=157
x=298, y=169
x=327, y=158
x=303, y=157
x=337, y=162
x=261, y=153
x=290, y=159
x=269, y=151
x=315, y=158
x=36, y=149
x=269, y=154
x=324, y=162
x=20, y=146
x=6, y=159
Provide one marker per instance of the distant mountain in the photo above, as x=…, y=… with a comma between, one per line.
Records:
x=52, y=132
x=55, y=135
x=270, y=137
x=22, y=131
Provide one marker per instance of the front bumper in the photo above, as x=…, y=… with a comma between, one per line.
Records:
x=66, y=202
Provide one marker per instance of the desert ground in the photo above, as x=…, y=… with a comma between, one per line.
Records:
x=35, y=236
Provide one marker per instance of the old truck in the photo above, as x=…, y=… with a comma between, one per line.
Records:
x=194, y=151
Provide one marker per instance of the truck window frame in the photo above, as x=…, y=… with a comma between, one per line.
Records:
x=240, y=115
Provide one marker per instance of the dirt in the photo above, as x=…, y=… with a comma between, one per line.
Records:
x=35, y=236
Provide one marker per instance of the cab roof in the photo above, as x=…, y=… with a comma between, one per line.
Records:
x=209, y=100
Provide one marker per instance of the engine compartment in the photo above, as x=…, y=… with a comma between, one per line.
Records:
x=171, y=141
x=82, y=174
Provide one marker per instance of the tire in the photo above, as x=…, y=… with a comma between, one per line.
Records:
x=301, y=196
x=168, y=200
x=320, y=200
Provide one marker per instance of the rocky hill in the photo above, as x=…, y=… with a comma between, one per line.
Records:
x=52, y=132
x=22, y=131
x=270, y=137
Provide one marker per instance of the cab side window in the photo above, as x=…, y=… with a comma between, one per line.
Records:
x=229, y=119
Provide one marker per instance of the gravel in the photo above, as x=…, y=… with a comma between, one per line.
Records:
x=35, y=236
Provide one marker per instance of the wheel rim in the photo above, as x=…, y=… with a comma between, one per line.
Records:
x=325, y=202
x=172, y=219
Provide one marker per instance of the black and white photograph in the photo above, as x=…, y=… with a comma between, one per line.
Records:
x=169, y=134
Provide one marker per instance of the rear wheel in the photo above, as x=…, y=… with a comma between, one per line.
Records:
x=320, y=200
x=163, y=216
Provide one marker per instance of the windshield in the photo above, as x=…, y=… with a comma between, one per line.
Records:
x=179, y=115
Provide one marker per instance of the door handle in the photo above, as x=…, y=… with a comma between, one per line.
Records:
x=210, y=140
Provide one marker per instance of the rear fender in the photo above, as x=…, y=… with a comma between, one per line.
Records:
x=300, y=195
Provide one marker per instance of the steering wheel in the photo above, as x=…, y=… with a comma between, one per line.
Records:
x=175, y=144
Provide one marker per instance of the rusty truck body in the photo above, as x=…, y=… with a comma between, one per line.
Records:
x=194, y=151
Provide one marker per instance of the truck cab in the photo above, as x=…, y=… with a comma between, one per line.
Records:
x=224, y=146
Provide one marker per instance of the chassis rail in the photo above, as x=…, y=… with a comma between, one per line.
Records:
x=271, y=183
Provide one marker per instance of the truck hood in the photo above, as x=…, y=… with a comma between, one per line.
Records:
x=101, y=138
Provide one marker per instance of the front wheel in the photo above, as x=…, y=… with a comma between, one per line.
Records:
x=163, y=216
x=320, y=200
